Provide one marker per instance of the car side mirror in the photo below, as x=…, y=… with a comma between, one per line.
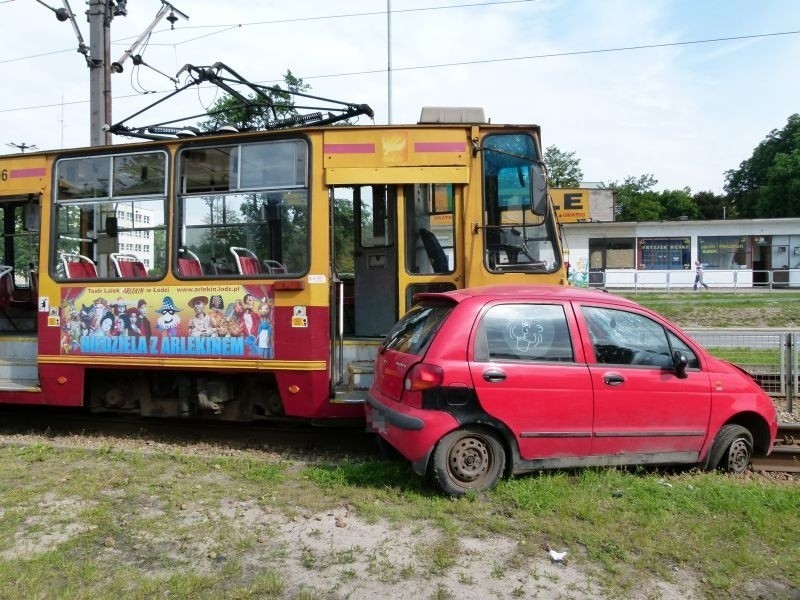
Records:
x=679, y=363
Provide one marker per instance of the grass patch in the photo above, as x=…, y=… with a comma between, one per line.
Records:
x=104, y=525
x=751, y=309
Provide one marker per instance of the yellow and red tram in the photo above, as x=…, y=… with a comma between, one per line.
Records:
x=248, y=275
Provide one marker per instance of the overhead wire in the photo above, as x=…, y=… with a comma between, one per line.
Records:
x=484, y=61
x=228, y=27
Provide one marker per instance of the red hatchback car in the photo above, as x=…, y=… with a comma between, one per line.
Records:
x=474, y=384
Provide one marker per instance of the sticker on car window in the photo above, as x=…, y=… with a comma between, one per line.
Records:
x=527, y=333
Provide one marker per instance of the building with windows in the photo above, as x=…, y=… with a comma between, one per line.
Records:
x=734, y=253
x=136, y=236
x=661, y=254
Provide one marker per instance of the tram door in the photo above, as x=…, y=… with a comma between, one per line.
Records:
x=365, y=257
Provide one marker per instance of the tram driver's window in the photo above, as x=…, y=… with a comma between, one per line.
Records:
x=430, y=228
x=516, y=239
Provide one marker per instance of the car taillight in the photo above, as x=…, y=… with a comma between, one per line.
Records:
x=423, y=376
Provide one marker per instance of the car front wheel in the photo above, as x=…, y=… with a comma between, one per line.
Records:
x=468, y=460
x=731, y=451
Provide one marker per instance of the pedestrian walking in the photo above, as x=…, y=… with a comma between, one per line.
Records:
x=698, y=277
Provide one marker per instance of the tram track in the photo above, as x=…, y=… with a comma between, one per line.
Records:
x=292, y=439
x=785, y=455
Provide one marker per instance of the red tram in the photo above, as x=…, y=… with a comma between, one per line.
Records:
x=252, y=275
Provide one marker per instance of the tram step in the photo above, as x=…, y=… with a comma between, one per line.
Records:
x=11, y=322
x=20, y=385
x=349, y=397
x=18, y=348
x=19, y=370
x=360, y=374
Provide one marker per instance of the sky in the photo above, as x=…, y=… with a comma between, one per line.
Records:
x=684, y=109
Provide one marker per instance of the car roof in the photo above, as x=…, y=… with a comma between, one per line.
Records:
x=528, y=291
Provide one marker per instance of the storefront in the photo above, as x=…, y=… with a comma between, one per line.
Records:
x=734, y=253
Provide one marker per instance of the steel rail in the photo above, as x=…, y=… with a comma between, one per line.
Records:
x=785, y=455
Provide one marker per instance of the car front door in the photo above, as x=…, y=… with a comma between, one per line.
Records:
x=528, y=373
x=642, y=407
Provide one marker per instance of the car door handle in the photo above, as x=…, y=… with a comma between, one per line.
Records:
x=613, y=379
x=493, y=376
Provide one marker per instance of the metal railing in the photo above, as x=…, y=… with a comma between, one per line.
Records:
x=728, y=279
x=770, y=356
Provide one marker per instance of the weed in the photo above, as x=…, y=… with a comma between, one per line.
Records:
x=441, y=593
x=465, y=578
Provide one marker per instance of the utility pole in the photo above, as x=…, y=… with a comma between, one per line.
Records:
x=98, y=55
x=389, y=55
x=100, y=16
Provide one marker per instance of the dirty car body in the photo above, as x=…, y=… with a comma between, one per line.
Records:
x=475, y=384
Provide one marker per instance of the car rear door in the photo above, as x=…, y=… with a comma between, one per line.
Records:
x=641, y=405
x=528, y=373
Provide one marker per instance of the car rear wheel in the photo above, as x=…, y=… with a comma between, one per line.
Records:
x=731, y=451
x=468, y=460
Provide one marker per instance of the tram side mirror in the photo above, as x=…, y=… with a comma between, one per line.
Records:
x=31, y=216
x=538, y=190
x=112, y=230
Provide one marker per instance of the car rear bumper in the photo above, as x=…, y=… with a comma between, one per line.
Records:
x=381, y=415
x=413, y=432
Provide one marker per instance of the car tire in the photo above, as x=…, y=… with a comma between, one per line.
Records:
x=731, y=451
x=468, y=460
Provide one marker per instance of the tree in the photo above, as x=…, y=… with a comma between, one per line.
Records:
x=635, y=199
x=563, y=169
x=768, y=183
x=343, y=220
x=713, y=206
x=294, y=219
x=678, y=204
x=258, y=111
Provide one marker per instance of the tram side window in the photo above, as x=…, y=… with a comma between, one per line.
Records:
x=244, y=210
x=111, y=209
x=430, y=228
x=20, y=247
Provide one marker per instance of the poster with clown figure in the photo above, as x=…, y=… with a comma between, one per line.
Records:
x=214, y=321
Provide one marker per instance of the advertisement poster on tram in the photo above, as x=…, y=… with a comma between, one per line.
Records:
x=224, y=321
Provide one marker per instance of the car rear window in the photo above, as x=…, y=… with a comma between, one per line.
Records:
x=413, y=333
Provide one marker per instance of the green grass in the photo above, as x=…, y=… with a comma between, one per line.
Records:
x=175, y=526
x=751, y=309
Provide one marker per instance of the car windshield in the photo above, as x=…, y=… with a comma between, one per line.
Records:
x=413, y=333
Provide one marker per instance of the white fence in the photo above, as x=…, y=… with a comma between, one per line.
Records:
x=772, y=357
x=728, y=279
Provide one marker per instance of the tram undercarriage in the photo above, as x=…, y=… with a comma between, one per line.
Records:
x=233, y=397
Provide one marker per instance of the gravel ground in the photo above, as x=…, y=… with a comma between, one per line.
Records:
x=331, y=553
x=382, y=558
x=784, y=415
